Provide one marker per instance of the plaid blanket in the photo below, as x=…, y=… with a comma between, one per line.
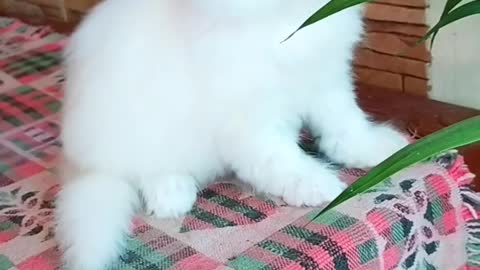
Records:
x=425, y=217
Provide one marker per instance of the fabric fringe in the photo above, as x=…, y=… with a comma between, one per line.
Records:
x=471, y=208
x=458, y=170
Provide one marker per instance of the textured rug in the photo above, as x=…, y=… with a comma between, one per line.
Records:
x=425, y=217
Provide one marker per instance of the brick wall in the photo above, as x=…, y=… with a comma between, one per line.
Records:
x=386, y=58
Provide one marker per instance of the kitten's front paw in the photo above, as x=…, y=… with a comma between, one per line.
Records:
x=313, y=188
x=365, y=148
x=171, y=197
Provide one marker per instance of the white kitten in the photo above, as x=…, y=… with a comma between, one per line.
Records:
x=164, y=95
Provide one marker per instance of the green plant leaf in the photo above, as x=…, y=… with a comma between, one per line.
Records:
x=448, y=6
x=457, y=135
x=328, y=9
x=458, y=13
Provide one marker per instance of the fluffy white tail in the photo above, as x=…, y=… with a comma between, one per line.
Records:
x=94, y=213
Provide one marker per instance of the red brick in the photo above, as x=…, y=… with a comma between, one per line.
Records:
x=410, y=3
x=80, y=5
x=395, y=45
x=389, y=13
x=394, y=64
x=415, y=86
x=383, y=79
x=395, y=28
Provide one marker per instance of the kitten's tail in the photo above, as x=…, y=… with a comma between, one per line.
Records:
x=93, y=214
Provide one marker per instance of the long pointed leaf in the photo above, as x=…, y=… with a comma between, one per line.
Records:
x=327, y=10
x=448, y=6
x=460, y=134
x=463, y=11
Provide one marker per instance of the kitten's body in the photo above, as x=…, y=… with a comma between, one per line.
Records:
x=164, y=95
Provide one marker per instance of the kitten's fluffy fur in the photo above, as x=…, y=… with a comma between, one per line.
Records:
x=164, y=95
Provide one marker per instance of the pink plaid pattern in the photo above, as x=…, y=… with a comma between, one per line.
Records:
x=211, y=213
x=34, y=64
x=35, y=136
x=25, y=105
x=15, y=167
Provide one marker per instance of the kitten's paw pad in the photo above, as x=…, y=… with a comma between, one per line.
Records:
x=171, y=198
x=313, y=189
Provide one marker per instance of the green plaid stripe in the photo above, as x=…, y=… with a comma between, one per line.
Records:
x=24, y=105
x=333, y=219
x=234, y=205
x=221, y=205
x=5, y=22
x=244, y=262
x=304, y=234
x=15, y=167
x=5, y=263
x=32, y=64
x=208, y=217
x=435, y=209
x=337, y=253
x=368, y=251
x=34, y=136
x=7, y=225
x=292, y=254
x=141, y=257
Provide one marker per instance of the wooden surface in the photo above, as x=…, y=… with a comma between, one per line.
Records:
x=415, y=114
x=420, y=116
